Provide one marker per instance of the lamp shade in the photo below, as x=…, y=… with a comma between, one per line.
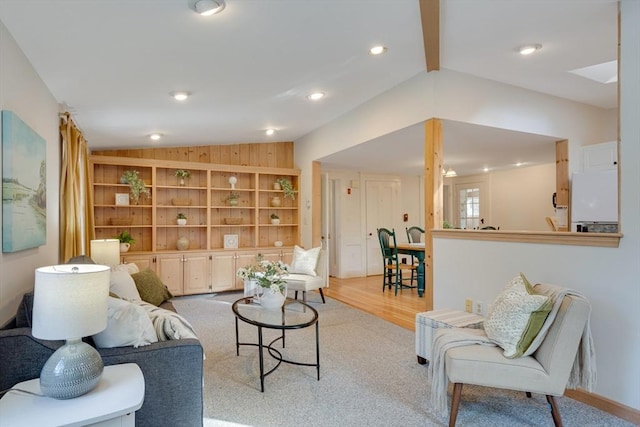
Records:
x=70, y=301
x=105, y=251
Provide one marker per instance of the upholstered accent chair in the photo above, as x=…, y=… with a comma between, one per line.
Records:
x=546, y=371
x=304, y=282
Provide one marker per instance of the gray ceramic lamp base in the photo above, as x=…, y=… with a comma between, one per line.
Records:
x=73, y=370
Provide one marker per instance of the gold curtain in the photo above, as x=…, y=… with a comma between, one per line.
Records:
x=76, y=197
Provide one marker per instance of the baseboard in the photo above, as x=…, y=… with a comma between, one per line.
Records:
x=606, y=405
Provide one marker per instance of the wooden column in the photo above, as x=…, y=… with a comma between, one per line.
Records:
x=562, y=179
x=432, y=198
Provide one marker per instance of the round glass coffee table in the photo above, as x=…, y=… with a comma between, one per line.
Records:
x=293, y=315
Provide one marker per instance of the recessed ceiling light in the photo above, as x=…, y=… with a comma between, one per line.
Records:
x=155, y=136
x=316, y=96
x=529, y=49
x=180, y=95
x=519, y=164
x=485, y=169
x=207, y=7
x=270, y=131
x=377, y=50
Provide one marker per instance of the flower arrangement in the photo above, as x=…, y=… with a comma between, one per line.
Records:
x=274, y=216
x=136, y=184
x=268, y=274
x=232, y=198
x=181, y=216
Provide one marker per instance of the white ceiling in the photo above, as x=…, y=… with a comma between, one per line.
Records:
x=114, y=63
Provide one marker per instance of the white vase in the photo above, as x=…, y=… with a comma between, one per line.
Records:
x=182, y=244
x=182, y=221
x=275, y=221
x=250, y=287
x=124, y=247
x=270, y=300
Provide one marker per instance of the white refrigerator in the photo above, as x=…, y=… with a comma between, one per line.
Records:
x=594, y=201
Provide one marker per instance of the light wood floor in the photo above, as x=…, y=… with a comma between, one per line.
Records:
x=365, y=293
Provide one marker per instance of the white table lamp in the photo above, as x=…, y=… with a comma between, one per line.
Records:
x=70, y=302
x=105, y=251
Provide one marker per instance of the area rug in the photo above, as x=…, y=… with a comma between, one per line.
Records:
x=368, y=377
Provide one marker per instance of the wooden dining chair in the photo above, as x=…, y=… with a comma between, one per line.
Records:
x=393, y=267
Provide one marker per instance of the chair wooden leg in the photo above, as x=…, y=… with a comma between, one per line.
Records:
x=321, y=295
x=455, y=402
x=555, y=411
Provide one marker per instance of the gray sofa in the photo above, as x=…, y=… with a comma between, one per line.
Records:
x=172, y=370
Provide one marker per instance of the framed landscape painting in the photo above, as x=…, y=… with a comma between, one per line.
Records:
x=24, y=195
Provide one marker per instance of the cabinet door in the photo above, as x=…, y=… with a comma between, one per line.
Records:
x=170, y=272
x=142, y=261
x=223, y=271
x=243, y=259
x=600, y=156
x=197, y=274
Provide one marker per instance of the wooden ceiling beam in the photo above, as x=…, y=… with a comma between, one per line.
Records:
x=430, y=17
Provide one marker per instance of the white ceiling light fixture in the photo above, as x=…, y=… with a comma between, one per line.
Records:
x=315, y=96
x=207, y=7
x=377, y=50
x=180, y=95
x=155, y=136
x=270, y=132
x=450, y=173
x=529, y=49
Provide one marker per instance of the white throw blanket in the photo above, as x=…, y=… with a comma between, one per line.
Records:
x=583, y=372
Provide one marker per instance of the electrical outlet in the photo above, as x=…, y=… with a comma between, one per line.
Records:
x=479, y=308
x=468, y=305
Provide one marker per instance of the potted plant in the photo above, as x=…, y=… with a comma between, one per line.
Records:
x=275, y=219
x=137, y=187
x=181, y=219
x=182, y=174
x=287, y=188
x=232, y=199
x=126, y=240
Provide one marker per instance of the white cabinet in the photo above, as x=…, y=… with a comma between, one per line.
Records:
x=185, y=274
x=599, y=157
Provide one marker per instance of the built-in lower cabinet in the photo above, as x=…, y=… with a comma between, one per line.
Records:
x=185, y=273
x=141, y=260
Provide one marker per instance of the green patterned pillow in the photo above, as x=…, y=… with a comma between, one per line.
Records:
x=151, y=288
x=516, y=317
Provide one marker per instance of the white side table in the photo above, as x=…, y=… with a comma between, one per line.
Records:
x=113, y=402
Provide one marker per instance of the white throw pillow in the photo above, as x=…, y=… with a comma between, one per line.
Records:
x=127, y=324
x=122, y=284
x=167, y=324
x=304, y=262
x=516, y=317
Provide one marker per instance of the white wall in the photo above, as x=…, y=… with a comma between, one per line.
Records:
x=609, y=277
x=23, y=92
x=521, y=198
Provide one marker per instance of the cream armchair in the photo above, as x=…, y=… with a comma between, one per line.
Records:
x=546, y=371
x=303, y=282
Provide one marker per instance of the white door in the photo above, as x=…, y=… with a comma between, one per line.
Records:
x=381, y=204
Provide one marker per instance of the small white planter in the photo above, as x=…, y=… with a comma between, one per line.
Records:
x=275, y=221
x=181, y=221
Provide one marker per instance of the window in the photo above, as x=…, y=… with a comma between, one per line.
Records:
x=469, y=208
